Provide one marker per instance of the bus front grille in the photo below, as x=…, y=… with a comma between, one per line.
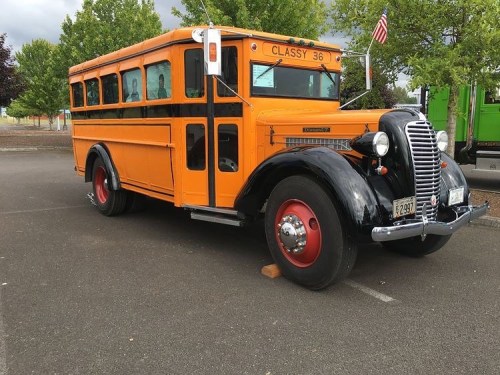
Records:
x=426, y=166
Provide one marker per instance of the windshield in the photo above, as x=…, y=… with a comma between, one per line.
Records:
x=279, y=81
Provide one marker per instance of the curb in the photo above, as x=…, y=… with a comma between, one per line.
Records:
x=487, y=221
x=24, y=149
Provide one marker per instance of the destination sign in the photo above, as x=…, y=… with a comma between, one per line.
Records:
x=296, y=53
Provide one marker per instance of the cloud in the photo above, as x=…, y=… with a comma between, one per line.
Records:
x=27, y=20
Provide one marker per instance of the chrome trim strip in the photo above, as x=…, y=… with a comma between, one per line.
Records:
x=333, y=143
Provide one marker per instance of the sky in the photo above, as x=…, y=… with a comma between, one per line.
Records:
x=26, y=20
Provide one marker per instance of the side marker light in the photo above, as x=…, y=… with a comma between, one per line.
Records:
x=381, y=170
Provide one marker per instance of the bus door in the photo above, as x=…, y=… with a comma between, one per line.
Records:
x=213, y=129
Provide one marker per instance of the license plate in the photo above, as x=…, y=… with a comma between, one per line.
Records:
x=455, y=196
x=403, y=207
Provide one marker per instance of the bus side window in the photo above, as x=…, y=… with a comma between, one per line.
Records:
x=77, y=89
x=195, y=147
x=229, y=57
x=110, y=89
x=158, y=84
x=492, y=97
x=228, y=148
x=194, y=73
x=92, y=87
x=132, y=85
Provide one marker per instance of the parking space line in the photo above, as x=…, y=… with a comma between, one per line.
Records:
x=3, y=349
x=41, y=210
x=369, y=291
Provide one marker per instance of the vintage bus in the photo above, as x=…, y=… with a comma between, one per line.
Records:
x=235, y=125
x=477, y=138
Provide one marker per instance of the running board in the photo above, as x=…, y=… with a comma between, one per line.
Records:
x=215, y=215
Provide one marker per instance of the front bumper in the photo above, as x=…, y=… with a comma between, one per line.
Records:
x=423, y=227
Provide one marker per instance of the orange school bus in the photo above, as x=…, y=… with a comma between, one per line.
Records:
x=234, y=124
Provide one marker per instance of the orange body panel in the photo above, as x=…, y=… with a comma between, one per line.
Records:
x=151, y=138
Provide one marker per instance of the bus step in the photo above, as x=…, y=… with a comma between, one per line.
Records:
x=217, y=218
x=488, y=161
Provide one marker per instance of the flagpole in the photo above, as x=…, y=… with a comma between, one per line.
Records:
x=370, y=46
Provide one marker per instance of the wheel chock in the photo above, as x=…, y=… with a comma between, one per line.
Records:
x=271, y=270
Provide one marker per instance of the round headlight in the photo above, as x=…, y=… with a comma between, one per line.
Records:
x=442, y=140
x=380, y=144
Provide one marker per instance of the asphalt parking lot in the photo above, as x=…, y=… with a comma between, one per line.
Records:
x=157, y=293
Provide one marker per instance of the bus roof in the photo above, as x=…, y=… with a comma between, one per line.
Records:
x=184, y=35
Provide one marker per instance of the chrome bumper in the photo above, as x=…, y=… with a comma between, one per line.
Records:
x=424, y=227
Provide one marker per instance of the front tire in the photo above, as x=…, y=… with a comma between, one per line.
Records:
x=305, y=235
x=415, y=247
x=108, y=202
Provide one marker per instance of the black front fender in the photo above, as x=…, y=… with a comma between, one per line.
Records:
x=452, y=177
x=341, y=178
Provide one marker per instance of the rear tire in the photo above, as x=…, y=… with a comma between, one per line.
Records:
x=305, y=235
x=108, y=202
x=415, y=247
x=135, y=202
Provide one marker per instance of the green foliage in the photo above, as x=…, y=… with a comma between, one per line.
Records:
x=11, y=84
x=46, y=92
x=103, y=26
x=304, y=18
x=440, y=43
x=402, y=97
x=354, y=83
x=17, y=110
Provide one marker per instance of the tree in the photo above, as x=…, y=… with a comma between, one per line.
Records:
x=45, y=91
x=440, y=43
x=354, y=83
x=306, y=18
x=11, y=84
x=402, y=97
x=103, y=26
x=17, y=110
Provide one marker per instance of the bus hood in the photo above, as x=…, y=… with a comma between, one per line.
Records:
x=343, y=122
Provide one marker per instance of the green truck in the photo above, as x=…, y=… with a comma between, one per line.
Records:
x=478, y=124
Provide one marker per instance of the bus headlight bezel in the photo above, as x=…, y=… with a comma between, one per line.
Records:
x=380, y=144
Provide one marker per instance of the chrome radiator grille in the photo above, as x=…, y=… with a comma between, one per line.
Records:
x=427, y=165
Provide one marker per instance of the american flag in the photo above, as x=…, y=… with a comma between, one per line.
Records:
x=380, y=32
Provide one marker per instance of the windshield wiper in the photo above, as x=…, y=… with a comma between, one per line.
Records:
x=328, y=74
x=268, y=69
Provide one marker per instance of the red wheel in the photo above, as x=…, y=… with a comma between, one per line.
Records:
x=109, y=202
x=101, y=184
x=305, y=235
x=298, y=233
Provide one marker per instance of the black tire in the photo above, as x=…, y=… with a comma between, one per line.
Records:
x=415, y=247
x=135, y=202
x=329, y=253
x=108, y=202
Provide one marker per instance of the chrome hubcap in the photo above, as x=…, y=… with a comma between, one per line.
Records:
x=292, y=234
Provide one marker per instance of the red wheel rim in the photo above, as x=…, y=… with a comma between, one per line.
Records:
x=297, y=217
x=101, y=185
